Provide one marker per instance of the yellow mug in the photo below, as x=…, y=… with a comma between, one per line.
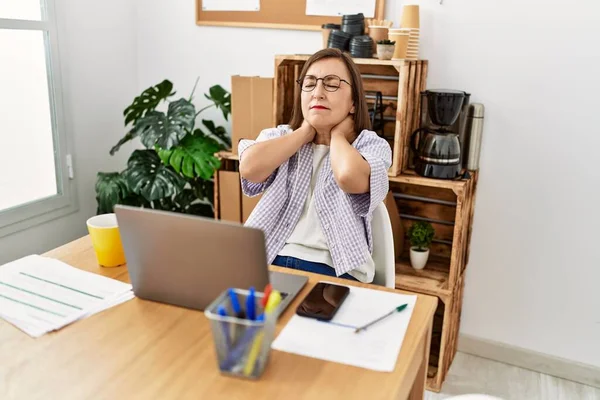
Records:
x=106, y=239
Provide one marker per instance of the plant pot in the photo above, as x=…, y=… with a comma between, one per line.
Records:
x=418, y=259
x=385, y=51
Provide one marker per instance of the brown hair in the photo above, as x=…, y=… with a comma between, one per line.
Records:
x=361, y=111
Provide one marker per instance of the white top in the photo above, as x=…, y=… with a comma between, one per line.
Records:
x=307, y=241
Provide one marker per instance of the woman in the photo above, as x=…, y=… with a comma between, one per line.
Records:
x=322, y=175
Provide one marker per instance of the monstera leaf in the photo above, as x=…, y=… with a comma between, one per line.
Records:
x=148, y=101
x=188, y=203
x=146, y=175
x=166, y=131
x=111, y=189
x=143, y=105
x=203, y=189
x=193, y=157
x=130, y=135
x=221, y=98
x=185, y=202
x=219, y=132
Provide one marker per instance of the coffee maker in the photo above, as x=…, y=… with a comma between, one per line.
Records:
x=438, y=144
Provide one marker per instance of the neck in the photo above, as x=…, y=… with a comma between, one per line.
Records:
x=322, y=137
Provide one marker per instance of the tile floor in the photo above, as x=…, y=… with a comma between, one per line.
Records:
x=471, y=374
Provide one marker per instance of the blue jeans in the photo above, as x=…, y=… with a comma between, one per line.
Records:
x=308, y=266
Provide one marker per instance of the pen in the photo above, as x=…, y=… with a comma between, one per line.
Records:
x=241, y=345
x=222, y=312
x=237, y=312
x=272, y=303
x=267, y=293
x=397, y=309
x=251, y=305
x=235, y=304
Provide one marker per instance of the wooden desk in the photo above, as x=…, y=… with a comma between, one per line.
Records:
x=147, y=350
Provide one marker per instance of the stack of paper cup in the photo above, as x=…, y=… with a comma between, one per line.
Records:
x=412, y=52
x=410, y=22
x=401, y=38
x=410, y=17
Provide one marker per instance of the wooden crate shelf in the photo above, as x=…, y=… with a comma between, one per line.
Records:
x=431, y=280
x=399, y=81
x=444, y=337
x=457, y=186
x=359, y=61
x=448, y=205
x=227, y=155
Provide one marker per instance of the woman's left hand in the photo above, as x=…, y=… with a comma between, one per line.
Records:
x=350, y=170
x=345, y=129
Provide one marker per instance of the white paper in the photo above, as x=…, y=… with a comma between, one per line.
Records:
x=376, y=348
x=40, y=294
x=231, y=5
x=340, y=7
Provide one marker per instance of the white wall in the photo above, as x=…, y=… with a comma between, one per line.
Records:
x=534, y=270
x=171, y=46
x=98, y=54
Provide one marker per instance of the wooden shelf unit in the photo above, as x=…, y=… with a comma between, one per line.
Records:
x=448, y=205
x=399, y=81
x=444, y=203
x=444, y=337
x=432, y=280
x=457, y=186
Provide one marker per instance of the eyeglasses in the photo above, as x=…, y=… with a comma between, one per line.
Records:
x=331, y=83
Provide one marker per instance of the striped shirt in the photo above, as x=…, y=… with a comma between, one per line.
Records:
x=345, y=218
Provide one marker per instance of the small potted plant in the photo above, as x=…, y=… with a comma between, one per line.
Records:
x=420, y=235
x=385, y=49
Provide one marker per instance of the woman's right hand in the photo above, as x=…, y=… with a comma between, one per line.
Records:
x=308, y=132
x=264, y=157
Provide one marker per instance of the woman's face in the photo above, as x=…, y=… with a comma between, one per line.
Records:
x=321, y=107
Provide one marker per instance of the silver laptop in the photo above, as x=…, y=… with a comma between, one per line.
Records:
x=188, y=261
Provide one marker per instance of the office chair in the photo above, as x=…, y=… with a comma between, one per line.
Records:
x=383, y=248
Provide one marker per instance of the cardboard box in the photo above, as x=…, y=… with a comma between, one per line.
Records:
x=230, y=196
x=251, y=107
x=234, y=206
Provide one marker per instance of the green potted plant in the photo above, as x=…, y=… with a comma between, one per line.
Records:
x=385, y=49
x=175, y=170
x=420, y=235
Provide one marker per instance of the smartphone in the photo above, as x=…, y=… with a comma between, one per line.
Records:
x=323, y=301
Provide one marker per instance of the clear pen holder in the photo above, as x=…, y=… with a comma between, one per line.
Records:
x=242, y=345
